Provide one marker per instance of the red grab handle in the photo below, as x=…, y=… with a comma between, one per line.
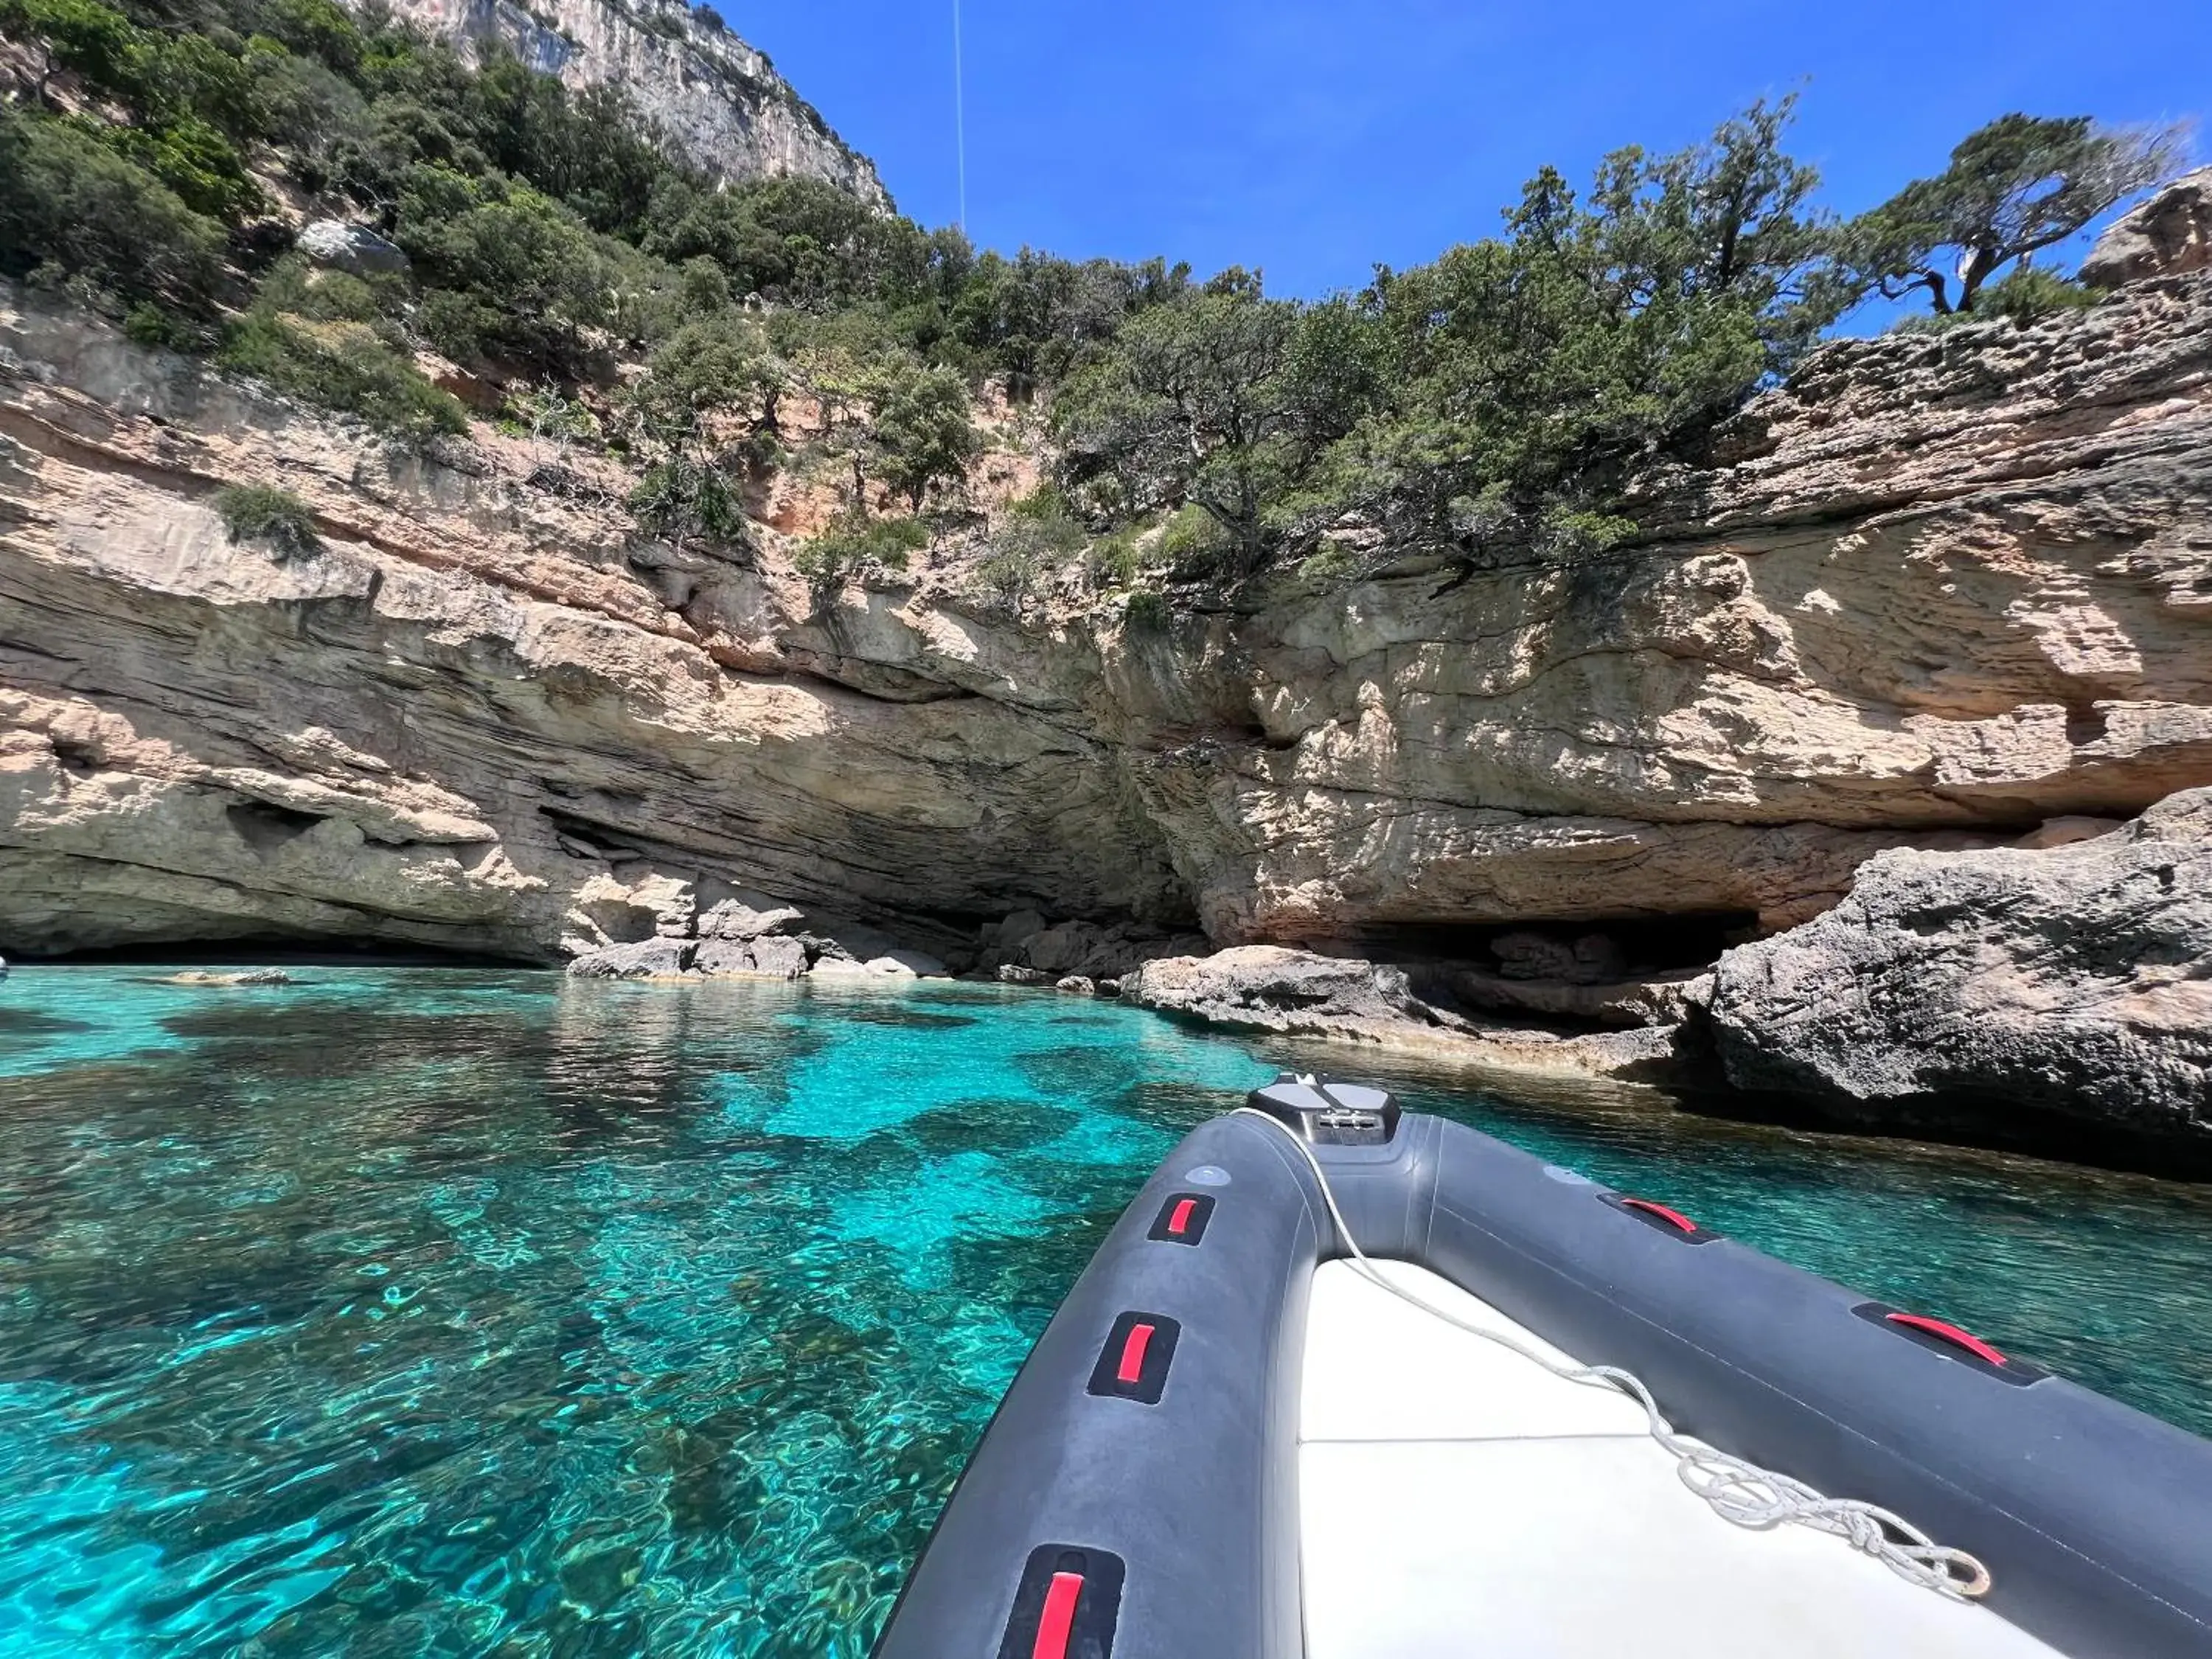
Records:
x=1133, y=1353
x=1058, y=1623
x=1951, y=1334
x=1179, y=1223
x=1672, y=1218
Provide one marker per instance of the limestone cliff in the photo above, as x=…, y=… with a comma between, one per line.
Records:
x=720, y=101
x=1937, y=592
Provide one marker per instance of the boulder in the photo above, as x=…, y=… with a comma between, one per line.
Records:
x=1076, y=985
x=1060, y=949
x=2169, y=235
x=4, y=967
x=2008, y=991
x=355, y=249
x=913, y=964
x=772, y=958
x=1585, y=959
x=1271, y=988
x=889, y=965
x=848, y=941
x=1008, y=974
x=1661, y=999
x=650, y=958
x=740, y=913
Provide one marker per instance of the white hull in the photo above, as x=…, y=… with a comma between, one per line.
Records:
x=1457, y=1502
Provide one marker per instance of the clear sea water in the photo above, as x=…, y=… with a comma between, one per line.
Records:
x=440, y=1312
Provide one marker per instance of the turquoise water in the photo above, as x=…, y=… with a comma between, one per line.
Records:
x=434, y=1312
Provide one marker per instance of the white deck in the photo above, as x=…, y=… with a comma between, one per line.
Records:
x=1459, y=1502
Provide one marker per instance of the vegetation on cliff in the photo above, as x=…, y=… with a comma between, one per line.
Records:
x=157, y=154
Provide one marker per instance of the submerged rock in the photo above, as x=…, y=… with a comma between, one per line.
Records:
x=2003, y=990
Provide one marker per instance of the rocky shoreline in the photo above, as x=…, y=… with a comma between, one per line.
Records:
x=1829, y=784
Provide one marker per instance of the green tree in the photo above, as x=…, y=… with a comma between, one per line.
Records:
x=521, y=278
x=69, y=202
x=1192, y=404
x=83, y=37
x=2015, y=187
x=718, y=366
x=920, y=430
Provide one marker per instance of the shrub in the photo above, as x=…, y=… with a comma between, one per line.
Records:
x=70, y=202
x=684, y=499
x=1193, y=544
x=274, y=518
x=921, y=433
x=2031, y=293
x=1009, y=573
x=1115, y=561
x=343, y=365
x=851, y=543
x=1148, y=612
x=193, y=159
x=520, y=278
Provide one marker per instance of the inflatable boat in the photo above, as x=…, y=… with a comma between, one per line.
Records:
x=1350, y=1384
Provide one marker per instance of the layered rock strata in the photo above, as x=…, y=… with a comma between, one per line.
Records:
x=719, y=101
x=1941, y=593
x=2012, y=989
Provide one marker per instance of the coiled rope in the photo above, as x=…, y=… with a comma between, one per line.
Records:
x=1738, y=1490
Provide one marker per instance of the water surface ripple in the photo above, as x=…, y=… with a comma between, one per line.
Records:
x=416, y=1311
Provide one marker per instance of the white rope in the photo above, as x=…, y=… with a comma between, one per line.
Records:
x=1738, y=1490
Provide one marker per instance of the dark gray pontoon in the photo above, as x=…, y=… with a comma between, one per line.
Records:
x=1231, y=1443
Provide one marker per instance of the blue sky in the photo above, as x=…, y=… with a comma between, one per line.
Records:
x=1315, y=138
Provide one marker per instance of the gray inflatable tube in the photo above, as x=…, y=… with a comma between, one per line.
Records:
x=1136, y=1495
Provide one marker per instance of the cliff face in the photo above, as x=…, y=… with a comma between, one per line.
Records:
x=717, y=99
x=1938, y=592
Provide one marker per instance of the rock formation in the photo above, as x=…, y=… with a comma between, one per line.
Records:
x=1942, y=592
x=718, y=100
x=2169, y=235
x=2009, y=990
x=1934, y=593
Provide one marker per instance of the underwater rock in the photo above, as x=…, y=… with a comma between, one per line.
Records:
x=1997, y=990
